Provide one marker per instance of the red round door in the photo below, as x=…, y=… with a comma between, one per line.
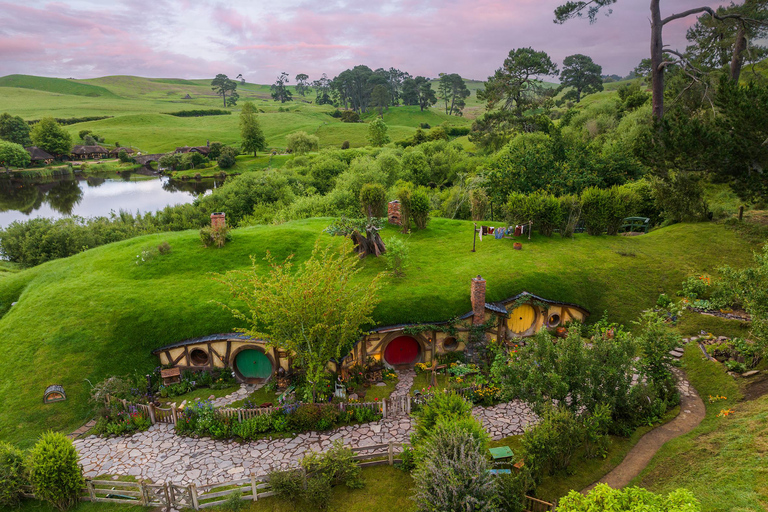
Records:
x=402, y=350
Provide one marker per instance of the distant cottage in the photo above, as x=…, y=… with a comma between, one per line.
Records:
x=404, y=345
x=39, y=156
x=88, y=152
x=204, y=150
x=187, y=97
x=115, y=152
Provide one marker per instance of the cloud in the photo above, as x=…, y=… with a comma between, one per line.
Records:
x=190, y=39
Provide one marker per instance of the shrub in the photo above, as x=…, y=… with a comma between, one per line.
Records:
x=345, y=144
x=11, y=474
x=373, y=199
x=234, y=502
x=123, y=156
x=301, y=142
x=512, y=489
x=442, y=405
x=453, y=472
x=164, y=248
x=550, y=444
x=226, y=158
x=680, y=197
x=405, y=198
x=287, y=485
x=420, y=207
x=623, y=204
x=629, y=499
x=214, y=150
x=396, y=255
x=350, y=116
x=595, y=206
x=655, y=340
x=217, y=235
x=337, y=464
x=54, y=472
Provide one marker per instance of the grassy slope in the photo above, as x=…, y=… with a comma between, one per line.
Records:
x=98, y=313
x=138, y=106
x=55, y=85
x=723, y=460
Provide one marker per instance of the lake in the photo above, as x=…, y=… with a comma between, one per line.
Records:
x=95, y=195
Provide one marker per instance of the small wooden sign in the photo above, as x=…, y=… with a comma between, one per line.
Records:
x=54, y=393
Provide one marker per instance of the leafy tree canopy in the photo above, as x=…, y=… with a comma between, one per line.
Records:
x=50, y=137
x=14, y=129
x=582, y=75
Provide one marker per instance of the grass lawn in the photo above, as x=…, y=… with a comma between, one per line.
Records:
x=387, y=489
x=258, y=397
x=424, y=380
x=722, y=461
x=201, y=393
x=380, y=392
x=97, y=313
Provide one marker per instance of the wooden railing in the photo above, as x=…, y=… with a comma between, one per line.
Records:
x=197, y=497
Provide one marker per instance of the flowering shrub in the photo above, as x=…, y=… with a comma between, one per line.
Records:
x=117, y=422
x=486, y=396
x=202, y=419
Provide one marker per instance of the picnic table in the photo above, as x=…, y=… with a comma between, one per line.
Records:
x=501, y=452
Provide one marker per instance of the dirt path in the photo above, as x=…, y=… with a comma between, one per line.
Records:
x=692, y=411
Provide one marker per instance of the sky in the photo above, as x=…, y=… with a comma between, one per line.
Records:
x=260, y=39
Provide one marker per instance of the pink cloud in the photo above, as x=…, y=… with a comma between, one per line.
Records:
x=162, y=38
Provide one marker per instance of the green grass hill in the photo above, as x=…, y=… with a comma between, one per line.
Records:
x=55, y=85
x=99, y=313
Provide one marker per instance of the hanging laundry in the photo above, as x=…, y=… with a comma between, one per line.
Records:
x=517, y=230
x=498, y=233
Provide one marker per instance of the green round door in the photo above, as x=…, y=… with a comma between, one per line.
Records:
x=253, y=364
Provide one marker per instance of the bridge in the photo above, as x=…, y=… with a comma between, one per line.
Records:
x=146, y=159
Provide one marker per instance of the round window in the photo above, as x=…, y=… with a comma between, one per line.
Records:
x=450, y=344
x=199, y=357
x=554, y=320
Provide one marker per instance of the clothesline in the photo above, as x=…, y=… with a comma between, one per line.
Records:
x=509, y=231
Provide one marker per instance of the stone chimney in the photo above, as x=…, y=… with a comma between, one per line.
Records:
x=477, y=293
x=218, y=219
x=393, y=213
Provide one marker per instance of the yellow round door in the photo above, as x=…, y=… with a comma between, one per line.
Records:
x=521, y=319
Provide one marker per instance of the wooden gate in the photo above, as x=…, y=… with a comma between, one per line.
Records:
x=397, y=406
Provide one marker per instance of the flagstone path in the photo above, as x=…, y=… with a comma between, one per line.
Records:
x=159, y=455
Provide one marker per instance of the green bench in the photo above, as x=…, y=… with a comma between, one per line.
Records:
x=635, y=225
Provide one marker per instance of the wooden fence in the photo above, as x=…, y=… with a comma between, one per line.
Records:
x=197, y=497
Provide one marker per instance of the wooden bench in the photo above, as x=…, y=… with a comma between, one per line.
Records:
x=170, y=376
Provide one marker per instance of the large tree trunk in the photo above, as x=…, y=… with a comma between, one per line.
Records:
x=657, y=59
x=738, y=53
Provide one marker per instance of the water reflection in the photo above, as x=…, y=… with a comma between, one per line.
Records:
x=94, y=195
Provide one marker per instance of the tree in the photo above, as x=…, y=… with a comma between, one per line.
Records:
x=377, y=132
x=380, y=98
x=301, y=142
x=453, y=91
x=50, y=137
x=12, y=154
x=577, y=9
x=418, y=91
x=232, y=100
x=240, y=77
x=302, y=84
x=14, y=129
x=396, y=79
x=227, y=157
x=250, y=130
x=316, y=312
x=279, y=90
x=731, y=42
x=223, y=86
x=513, y=90
x=323, y=90
x=629, y=499
x=582, y=75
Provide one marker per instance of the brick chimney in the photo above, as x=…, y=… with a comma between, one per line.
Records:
x=218, y=219
x=393, y=213
x=477, y=293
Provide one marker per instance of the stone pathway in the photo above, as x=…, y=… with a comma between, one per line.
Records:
x=404, y=383
x=243, y=392
x=159, y=455
x=692, y=412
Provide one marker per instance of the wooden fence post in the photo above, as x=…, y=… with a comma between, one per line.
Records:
x=391, y=453
x=384, y=408
x=173, y=412
x=193, y=494
x=168, y=499
x=253, y=487
x=151, y=409
x=741, y=212
x=91, y=490
x=408, y=405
